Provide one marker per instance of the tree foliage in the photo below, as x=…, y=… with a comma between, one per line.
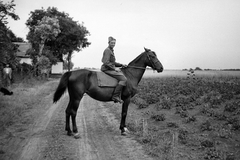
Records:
x=7, y=10
x=71, y=37
x=7, y=37
x=67, y=65
x=47, y=29
x=43, y=63
x=198, y=69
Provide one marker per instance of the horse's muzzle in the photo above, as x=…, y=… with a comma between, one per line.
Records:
x=160, y=70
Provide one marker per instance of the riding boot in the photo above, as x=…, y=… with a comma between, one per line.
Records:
x=117, y=94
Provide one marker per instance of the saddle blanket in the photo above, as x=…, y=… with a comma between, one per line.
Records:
x=105, y=80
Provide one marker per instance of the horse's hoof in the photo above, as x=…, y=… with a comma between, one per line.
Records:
x=123, y=133
x=76, y=135
x=126, y=130
x=69, y=133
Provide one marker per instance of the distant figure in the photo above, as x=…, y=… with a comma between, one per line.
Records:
x=191, y=73
x=7, y=75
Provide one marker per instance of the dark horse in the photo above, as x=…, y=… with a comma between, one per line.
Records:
x=85, y=81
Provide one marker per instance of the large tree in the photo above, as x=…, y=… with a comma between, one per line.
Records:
x=7, y=10
x=7, y=37
x=72, y=36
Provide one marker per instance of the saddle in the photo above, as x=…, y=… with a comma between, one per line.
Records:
x=105, y=80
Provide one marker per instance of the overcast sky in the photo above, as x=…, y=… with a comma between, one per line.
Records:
x=183, y=33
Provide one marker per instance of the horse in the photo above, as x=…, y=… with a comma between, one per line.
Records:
x=84, y=81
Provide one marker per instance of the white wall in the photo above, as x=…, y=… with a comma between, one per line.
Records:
x=58, y=68
x=26, y=60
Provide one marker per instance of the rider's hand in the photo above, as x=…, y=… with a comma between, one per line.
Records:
x=124, y=66
x=118, y=69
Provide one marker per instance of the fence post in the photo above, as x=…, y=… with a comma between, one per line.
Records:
x=145, y=127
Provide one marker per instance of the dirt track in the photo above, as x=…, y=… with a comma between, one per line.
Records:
x=47, y=139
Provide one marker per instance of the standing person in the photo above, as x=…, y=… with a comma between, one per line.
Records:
x=109, y=67
x=7, y=75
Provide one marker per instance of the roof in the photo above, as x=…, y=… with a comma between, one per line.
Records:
x=22, y=49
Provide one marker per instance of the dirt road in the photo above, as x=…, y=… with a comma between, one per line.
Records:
x=47, y=139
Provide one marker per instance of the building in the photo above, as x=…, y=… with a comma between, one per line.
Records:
x=57, y=68
x=24, y=58
x=21, y=53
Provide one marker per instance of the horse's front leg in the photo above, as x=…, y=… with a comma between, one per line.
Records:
x=123, y=118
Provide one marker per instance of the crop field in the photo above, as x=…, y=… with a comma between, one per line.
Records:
x=176, y=117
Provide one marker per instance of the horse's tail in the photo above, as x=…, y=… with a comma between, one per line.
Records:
x=62, y=86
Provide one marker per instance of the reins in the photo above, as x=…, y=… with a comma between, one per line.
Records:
x=153, y=64
x=136, y=67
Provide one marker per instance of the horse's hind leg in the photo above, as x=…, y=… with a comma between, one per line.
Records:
x=68, y=114
x=71, y=111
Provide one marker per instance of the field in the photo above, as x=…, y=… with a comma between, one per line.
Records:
x=179, y=117
x=173, y=116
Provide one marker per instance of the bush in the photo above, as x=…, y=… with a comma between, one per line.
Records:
x=182, y=135
x=206, y=126
x=159, y=117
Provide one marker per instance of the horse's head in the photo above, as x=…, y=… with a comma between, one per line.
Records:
x=153, y=60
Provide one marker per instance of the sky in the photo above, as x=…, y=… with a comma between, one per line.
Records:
x=183, y=33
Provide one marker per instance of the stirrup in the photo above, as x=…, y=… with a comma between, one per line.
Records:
x=117, y=100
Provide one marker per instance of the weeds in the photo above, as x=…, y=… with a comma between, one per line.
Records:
x=205, y=108
x=158, y=117
x=182, y=135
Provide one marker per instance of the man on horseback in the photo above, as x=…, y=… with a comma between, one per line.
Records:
x=109, y=67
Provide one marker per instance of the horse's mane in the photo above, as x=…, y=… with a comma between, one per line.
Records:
x=136, y=59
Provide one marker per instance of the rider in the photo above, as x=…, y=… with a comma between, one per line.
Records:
x=109, y=67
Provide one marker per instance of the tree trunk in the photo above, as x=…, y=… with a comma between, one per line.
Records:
x=69, y=59
x=41, y=46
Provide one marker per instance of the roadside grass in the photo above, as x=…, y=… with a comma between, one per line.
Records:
x=177, y=118
x=23, y=106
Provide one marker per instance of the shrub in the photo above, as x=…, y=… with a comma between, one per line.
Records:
x=231, y=107
x=182, y=135
x=172, y=124
x=158, y=117
x=206, y=126
x=213, y=154
x=190, y=119
x=207, y=143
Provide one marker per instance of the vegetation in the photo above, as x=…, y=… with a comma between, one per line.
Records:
x=54, y=34
x=7, y=37
x=67, y=65
x=186, y=118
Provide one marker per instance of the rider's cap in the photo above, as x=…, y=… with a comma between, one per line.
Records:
x=111, y=39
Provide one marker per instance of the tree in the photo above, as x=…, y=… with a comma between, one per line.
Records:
x=47, y=29
x=198, y=69
x=7, y=10
x=72, y=35
x=7, y=48
x=67, y=65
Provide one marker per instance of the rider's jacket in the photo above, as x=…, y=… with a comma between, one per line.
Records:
x=109, y=60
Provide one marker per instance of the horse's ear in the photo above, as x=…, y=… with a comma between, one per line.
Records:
x=146, y=50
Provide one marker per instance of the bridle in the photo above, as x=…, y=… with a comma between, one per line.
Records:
x=152, y=63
